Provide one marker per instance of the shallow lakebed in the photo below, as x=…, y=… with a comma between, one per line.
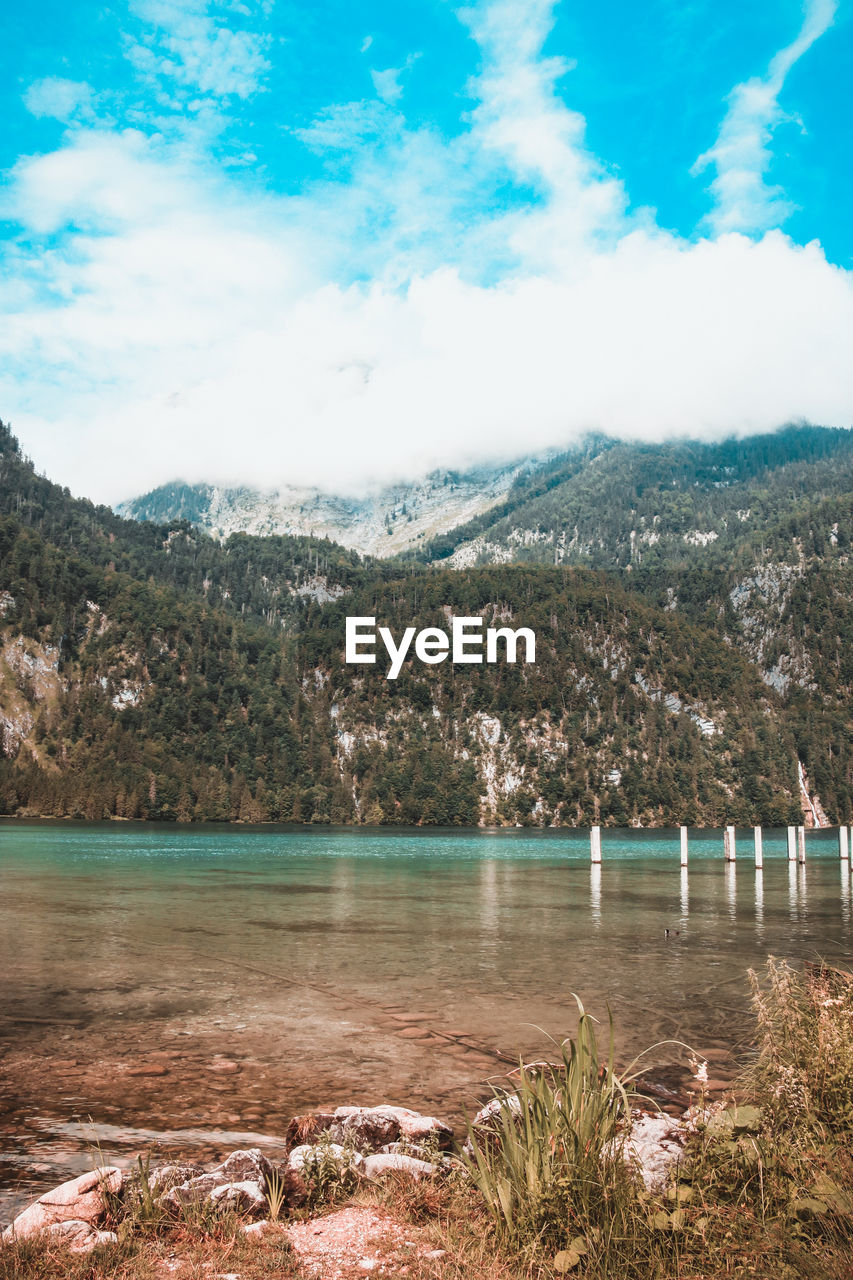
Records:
x=193, y=987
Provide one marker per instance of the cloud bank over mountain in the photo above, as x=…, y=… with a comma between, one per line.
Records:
x=420, y=296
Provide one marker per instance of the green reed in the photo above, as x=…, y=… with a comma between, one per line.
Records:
x=551, y=1148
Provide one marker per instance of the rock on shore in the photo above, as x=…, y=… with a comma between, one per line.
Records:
x=357, y=1142
x=366, y=1141
x=70, y=1212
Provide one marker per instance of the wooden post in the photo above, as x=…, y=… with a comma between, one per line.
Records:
x=759, y=847
x=684, y=846
x=595, y=844
x=595, y=891
x=729, y=844
x=801, y=845
x=843, y=850
x=792, y=844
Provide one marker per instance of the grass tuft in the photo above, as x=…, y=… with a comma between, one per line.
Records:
x=550, y=1152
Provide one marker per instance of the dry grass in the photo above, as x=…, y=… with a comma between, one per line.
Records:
x=181, y=1254
x=803, y=1073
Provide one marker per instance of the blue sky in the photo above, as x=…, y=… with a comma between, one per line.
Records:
x=336, y=243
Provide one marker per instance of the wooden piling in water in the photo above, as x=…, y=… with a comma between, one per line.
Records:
x=729, y=844
x=759, y=847
x=595, y=844
x=792, y=844
x=843, y=848
x=801, y=845
x=683, y=846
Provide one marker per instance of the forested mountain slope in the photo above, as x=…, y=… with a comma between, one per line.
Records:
x=269, y=578
x=658, y=505
x=603, y=503
x=147, y=671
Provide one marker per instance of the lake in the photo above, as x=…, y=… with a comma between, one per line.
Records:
x=195, y=987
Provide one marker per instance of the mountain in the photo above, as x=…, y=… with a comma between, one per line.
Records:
x=604, y=504
x=626, y=505
x=382, y=523
x=148, y=670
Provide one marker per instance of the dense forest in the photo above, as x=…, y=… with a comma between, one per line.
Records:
x=148, y=671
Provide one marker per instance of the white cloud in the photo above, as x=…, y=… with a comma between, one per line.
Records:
x=189, y=47
x=348, y=126
x=744, y=200
x=388, y=84
x=526, y=125
x=60, y=99
x=100, y=180
x=393, y=319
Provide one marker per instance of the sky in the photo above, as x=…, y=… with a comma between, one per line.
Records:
x=342, y=242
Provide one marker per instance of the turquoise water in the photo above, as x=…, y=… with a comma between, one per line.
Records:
x=488, y=927
x=302, y=953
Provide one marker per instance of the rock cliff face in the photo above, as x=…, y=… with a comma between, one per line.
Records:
x=29, y=682
x=383, y=523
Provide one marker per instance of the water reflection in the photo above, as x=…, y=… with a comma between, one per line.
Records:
x=845, y=892
x=489, y=901
x=342, y=899
x=759, y=904
x=731, y=888
x=793, y=910
x=685, y=897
